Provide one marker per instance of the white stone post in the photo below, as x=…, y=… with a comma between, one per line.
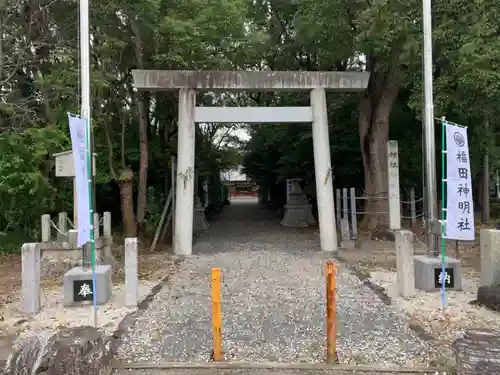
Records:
x=338, y=205
x=107, y=255
x=97, y=226
x=405, y=268
x=30, y=278
x=323, y=171
x=354, y=221
x=131, y=272
x=413, y=207
x=106, y=224
x=490, y=257
x=62, y=225
x=184, y=205
x=393, y=185
x=345, y=208
x=46, y=229
x=73, y=238
x=345, y=231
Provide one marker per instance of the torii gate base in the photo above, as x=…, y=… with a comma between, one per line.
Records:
x=187, y=82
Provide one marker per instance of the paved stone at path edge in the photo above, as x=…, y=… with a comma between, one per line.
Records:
x=272, y=302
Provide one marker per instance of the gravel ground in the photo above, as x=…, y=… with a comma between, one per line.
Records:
x=425, y=307
x=272, y=302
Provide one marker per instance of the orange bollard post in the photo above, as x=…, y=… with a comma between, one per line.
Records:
x=331, y=326
x=216, y=315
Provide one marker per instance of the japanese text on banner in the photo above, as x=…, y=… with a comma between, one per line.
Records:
x=459, y=205
x=77, y=131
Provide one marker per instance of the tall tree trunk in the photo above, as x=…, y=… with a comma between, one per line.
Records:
x=125, y=179
x=374, y=112
x=143, y=108
x=126, y=184
x=485, y=196
x=142, y=194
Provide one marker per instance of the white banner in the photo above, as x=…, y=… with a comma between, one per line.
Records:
x=459, y=203
x=77, y=127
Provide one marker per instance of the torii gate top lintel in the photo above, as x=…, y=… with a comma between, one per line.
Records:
x=166, y=80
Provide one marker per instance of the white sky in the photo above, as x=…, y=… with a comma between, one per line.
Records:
x=242, y=134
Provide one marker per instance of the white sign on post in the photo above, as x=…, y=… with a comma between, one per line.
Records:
x=394, y=198
x=65, y=165
x=459, y=205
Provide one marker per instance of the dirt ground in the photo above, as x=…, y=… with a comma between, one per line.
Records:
x=373, y=254
x=10, y=269
x=152, y=267
x=376, y=261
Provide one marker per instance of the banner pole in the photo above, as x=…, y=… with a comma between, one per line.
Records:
x=443, y=212
x=85, y=113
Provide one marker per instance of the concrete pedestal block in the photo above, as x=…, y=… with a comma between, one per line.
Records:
x=200, y=220
x=428, y=270
x=297, y=199
x=78, y=285
x=298, y=216
x=348, y=244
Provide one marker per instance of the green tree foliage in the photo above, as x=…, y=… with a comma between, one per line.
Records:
x=136, y=133
x=384, y=37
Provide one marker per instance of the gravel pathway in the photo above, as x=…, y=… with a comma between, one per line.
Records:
x=272, y=302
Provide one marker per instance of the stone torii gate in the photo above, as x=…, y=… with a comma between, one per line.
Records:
x=188, y=82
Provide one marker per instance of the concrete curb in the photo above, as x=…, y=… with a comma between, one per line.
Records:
x=275, y=365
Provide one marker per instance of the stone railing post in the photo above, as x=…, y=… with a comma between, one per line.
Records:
x=97, y=226
x=106, y=224
x=62, y=225
x=107, y=254
x=354, y=219
x=46, y=237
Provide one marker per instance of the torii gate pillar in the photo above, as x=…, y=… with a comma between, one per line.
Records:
x=184, y=205
x=323, y=171
x=188, y=82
